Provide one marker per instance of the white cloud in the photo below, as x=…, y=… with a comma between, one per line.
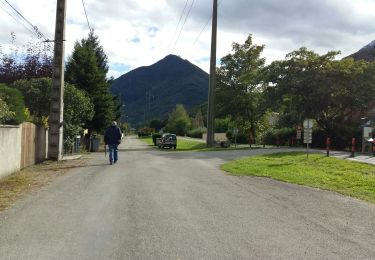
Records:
x=138, y=33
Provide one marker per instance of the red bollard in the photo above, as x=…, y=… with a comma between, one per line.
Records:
x=328, y=144
x=353, y=147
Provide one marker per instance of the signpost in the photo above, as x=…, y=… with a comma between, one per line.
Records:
x=307, y=133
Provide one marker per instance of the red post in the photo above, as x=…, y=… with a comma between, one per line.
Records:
x=353, y=147
x=328, y=144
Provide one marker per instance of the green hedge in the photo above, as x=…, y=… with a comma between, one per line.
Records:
x=15, y=102
x=197, y=132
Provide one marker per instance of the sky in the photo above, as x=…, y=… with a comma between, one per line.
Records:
x=138, y=33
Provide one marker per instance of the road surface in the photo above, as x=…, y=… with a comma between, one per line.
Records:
x=157, y=204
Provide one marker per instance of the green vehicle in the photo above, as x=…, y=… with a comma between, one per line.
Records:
x=168, y=140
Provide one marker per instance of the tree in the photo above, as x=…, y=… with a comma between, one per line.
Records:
x=178, y=121
x=14, y=100
x=33, y=60
x=37, y=93
x=333, y=92
x=197, y=121
x=87, y=69
x=239, y=89
x=78, y=109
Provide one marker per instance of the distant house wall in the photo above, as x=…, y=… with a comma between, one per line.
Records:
x=218, y=137
x=10, y=149
x=21, y=146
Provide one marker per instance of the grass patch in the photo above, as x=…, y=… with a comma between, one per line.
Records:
x=18, y=184
x=346, y=177
x=194, y=146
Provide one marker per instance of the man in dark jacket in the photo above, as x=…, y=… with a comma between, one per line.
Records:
x=112, y=138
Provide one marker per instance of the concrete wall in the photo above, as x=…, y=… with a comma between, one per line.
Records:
x=10, y=149
x=21, y=146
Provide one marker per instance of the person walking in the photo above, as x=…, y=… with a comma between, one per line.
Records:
x=112, y=138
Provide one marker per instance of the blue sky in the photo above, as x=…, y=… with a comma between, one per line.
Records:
x=138, y=33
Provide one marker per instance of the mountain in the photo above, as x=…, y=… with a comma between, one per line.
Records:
x=153, y=91
x=367, y=53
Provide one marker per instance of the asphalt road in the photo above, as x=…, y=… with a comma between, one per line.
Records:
x=171, y=205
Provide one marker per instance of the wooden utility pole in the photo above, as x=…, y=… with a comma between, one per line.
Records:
x=212, y=85
x=55, y=143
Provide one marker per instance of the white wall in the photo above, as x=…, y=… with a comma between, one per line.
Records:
x=10, y=149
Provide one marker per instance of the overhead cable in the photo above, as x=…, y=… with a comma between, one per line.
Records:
x=182, y=27
x=34, y=28
x=87, y=19
x=179, y=21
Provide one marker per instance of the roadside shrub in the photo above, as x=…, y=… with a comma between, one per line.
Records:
x=197, y=132
x=281, y=136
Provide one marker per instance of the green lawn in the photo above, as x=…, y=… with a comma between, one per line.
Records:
x=342, y=176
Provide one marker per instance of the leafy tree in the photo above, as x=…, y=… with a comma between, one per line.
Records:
x=179, y=121
x=37, y=93
x=33, y=60
x=78, y=109
x=14, y=100
x=87, y=69
x=239, y=89
x=333, y=92
x=222, y=125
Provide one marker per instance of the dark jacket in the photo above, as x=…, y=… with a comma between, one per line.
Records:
x=112, y=135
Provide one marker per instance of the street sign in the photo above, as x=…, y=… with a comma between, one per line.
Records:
x=307, y=136
x=308, y=123
x=235, y=131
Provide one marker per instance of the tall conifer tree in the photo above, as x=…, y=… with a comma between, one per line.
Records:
x=87, y=69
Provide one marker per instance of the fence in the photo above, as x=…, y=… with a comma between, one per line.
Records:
x=21, y=146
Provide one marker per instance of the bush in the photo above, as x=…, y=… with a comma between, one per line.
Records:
x=197, y=132
x=280, y=136
x=241, y=138
x=15, y=102
x=145, y=132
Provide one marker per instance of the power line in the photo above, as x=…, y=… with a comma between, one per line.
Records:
x=34, y=30
x=182, y=27
x=179, y=21
x=203, y=29
x=17, y=20
x=87, y=19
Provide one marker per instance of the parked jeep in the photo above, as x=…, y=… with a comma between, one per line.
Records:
x=168, y=140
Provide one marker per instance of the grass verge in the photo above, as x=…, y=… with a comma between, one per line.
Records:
x=346, y=177
x=29, y=179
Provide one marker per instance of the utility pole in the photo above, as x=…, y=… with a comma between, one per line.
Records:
x=55, y=142
x=212, y=85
